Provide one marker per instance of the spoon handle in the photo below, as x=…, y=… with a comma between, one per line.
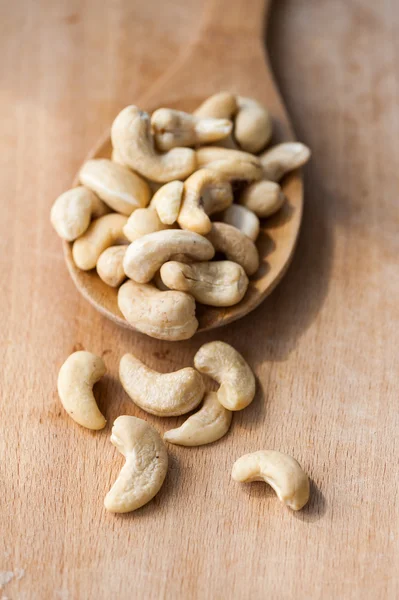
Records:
x=234, y=19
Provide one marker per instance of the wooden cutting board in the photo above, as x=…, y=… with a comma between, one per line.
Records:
x=324, y=345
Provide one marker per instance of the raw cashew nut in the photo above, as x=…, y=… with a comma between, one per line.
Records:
x=147, y=254
x=161, y=394
x=222, y=105
x=72, y=211
x=237, y=169
x=76, y=378
x=110, y=265
x=141, y=222
x=132, y=139
x=224, y=364
x=167, y=201
x=219, y=283
x=209, y=154
x=207, y=425
x=176, y=128
x=118, y=186
x=102, y=233
x=264, y=198
x=116, y=158
x=161, y=315
x=235, y=245
x=253, y=125
x=205, y=193
x=144, y=471
x=282, y=472
x=283, y=158
x=243, y=219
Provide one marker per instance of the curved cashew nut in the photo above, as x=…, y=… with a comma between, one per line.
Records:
x=224, y=364
x=110, y=265
x=161, y=394
x=161, y=315
x=219, y=283
x=205, y=193
x=76, y=378
x=264, y=198
x=237, y=169
x=176, y=128
x=118, y=186
x=253, y=125
x=72, y=211
x=144, y=471
x=282, y=472
x=147, y=254
x=209, y=154
x=243, y=219
x=207, y=425
x=141, y=222
x=283, y=158
x=235, y=245
x=167, y=201
x=132, y=139
x=102, y=233
x=222, y=105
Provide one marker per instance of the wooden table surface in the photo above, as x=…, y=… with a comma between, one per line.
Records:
x=324, y=345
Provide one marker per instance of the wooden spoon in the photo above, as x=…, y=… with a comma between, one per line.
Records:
x=227, y=54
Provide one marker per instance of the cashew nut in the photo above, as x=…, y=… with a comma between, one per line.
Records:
x=161, y=394
x=147, y=254
x=243, y=219
x=219, y=283
x=141, y=222
x=102, y=233
x=224, y=364
x=167, y=201
x=110, y=265
x=76, y=378
x=162, y=315
x=209, y=154
x=222, y=105
x=207, y=425
x=237, y=169
x=205, y=193
x=235, y=245
x=253, y=125
x=132, y=139
x=72, y=211
x=264, y=198
x=118, y=186
x=283, y=158
x=116, y=158
x=282, y=472
x=144, y=471
x=176, y=128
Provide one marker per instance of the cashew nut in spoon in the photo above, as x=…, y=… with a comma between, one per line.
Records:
x=253, y=125
x=263, y=197
x=222, y=105
x=141, y=222
x=144, y=471
x=226, y=366
x=219, y=283
x=205, y=192
x=120, y=188
x=132, y=138
x=166, y=315
x=208, y=425
x=210, y=154
x=110, y=265
x=147, y=254
x=235, y=245
x=177, y=128
x=72, y=212
x=76, y=378
x=282, y=472
x=161, y=394
x=243, y=219
x=280, y=159
x=102, y=233
x=167, y=201
x=236, y=169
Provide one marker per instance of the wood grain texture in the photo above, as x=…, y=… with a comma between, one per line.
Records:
x=323, y=345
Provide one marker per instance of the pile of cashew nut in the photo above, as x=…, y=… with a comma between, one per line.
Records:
x=173, y=394
x=179, y=189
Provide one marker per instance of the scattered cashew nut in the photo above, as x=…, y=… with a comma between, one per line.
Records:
x=209, y=424
x=264, y=198
x=76, y=378
x=282, y=472
x=224, y=364
x=110, y=265
x=235, y=245
x=161, y=394
x=209, y=154
x=141, y=222
x=237, y=169
x=144, y=471
x=253, y=125
x=283, y=158
x=243, y=219
x=167, y=201
x=222, y=105
x=72, y=211
x=102, y=233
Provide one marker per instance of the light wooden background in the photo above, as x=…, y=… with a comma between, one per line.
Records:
x=324, y=345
